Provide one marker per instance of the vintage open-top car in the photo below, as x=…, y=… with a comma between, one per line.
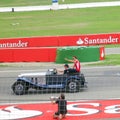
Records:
x=49, y=80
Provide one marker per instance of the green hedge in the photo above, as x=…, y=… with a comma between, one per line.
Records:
x=84, y=54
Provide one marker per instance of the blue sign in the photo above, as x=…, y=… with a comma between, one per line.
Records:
x=54, y=1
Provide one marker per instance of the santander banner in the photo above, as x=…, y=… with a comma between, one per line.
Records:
x=98, y=40
x=50, y=41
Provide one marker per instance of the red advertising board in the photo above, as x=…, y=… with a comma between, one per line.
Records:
x=43, y=49
x=89, y=40
x=50, y=41
x=102, y=53
x=29, y=42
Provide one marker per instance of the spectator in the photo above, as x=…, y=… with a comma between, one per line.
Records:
x=62, y=107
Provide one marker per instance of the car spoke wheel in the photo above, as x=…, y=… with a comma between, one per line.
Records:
x=19, y=88
x=73, y=86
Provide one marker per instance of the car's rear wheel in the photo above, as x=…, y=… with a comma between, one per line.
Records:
x=19, y=88
x=73, y=86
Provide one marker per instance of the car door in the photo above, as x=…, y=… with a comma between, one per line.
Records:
x=56, y=81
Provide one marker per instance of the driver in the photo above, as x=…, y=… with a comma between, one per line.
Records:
x=67, y=70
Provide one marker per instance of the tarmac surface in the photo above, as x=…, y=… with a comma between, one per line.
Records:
x=103, y=82
x=112, y=51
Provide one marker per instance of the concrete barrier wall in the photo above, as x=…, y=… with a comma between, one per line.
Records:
x=84, y=54
x=28, y=55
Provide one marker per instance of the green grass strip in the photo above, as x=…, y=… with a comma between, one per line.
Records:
x=110, y=60
x=61, y=22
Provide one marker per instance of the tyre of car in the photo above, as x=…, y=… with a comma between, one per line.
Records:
x=19, y=88
x=73, y=85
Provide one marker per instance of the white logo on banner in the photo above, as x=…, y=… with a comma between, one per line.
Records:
x=12, y=113
x=80, y=41
x=97, y=40
x=102, y=54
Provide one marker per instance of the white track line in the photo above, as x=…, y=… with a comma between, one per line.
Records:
x=61, y=6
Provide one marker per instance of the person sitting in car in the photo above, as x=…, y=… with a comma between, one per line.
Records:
x=76, y=66
x=68, y=70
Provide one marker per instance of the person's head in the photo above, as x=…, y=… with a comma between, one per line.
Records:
x=62, y=96
x=74, y=57
x=66, y=66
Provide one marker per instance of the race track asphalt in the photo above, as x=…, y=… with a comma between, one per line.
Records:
x=103, y=82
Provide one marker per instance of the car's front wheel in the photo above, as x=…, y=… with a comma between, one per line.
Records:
x=73, y=86
x=19, y=88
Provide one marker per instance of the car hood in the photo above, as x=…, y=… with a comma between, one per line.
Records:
x=32, y=74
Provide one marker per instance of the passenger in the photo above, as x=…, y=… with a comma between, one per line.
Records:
x=76, y=66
